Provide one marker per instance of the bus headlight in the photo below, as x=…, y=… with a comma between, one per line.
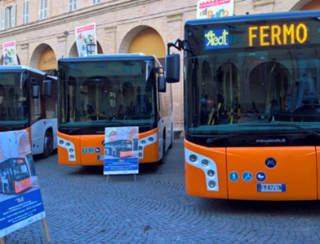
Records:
x=71, y=150
x=150, y=139
x=143, y=142
x=193, y=158
x=205, y=163
x=71, y=156
x=61, y=142
x=212, y=184
x=68, y=144
x=140, y=148
x=140, y=155
x=210, y=173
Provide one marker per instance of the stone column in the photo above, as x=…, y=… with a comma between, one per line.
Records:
x=263, y=6
x=174, y=31
x=62, y=47
x=23, y=54
x=110, y=43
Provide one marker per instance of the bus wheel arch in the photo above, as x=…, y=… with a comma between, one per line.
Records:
x=48, y=143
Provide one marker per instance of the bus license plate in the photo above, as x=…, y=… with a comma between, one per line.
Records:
x=100, y=157
x=271, y=187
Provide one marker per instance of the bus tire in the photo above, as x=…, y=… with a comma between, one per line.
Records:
x=161, y=161
x=47, y=144
x=172, y=135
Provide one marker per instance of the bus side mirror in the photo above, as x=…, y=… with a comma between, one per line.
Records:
x=162, y=85
x=35, y=91
x=47, y=88
x=173, y=68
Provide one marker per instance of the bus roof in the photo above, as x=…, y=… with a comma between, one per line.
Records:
x=21, y=68
x=106, y=57
x=255, y=17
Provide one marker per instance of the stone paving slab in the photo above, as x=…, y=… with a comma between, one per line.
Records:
x=83, y=208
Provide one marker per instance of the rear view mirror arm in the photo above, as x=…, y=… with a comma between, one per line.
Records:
x=179, y=45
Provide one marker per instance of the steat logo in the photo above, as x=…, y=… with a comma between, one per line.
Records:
x=271, y=141
x=217, y=39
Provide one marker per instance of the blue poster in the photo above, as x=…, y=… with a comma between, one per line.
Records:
x=120, y=155
x=20, y=197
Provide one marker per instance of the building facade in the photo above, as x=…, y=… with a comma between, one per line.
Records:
x=45, y=29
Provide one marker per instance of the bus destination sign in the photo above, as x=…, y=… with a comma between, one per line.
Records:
x=272, y=35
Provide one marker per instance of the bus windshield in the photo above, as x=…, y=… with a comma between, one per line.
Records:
x=247, y=76
x=13, y=99
x=20, y=170
x=94, y=93
x=14, y=169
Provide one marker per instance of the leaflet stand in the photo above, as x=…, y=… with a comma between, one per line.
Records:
x=134, y=177
x=46, y=231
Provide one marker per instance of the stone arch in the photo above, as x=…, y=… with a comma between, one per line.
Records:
x=130, y=36
x=36, y=54
x=73, y=53
x=133, y=39
x=298, y=4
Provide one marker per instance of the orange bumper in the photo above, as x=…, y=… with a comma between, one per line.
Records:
x=268, y=173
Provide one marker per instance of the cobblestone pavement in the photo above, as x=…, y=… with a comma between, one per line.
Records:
x=82, y=208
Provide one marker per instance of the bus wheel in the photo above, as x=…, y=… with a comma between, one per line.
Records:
x=172, y=135
x=47, y=145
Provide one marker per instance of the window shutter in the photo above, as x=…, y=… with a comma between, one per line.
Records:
x=27, y=11
x=3, y=18
x=41, y=9
x=13, y=15
x=45, y=8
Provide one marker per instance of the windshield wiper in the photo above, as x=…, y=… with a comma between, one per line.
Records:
x=310, y=132
x=105, y=123
x=212, y=139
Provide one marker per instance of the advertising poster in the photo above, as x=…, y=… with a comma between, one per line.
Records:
x=20, y=197
x=84, y=36
x=121, y=151
x=215, y=8
x=9, y=50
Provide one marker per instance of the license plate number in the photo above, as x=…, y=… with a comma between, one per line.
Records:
x=100, y=157
x=271, y=187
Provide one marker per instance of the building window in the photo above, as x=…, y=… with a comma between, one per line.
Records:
x=73, y=5
x=43, y=9
x=96, y=2
x=8, y=17
x=25, y=12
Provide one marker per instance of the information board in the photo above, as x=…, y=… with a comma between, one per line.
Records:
x=20, y=197
x=121, y=151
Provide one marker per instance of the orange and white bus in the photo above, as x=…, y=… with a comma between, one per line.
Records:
x=252, y=106
x=119, y=148
x=28, y=101
x=120, y=90
x=14, y=176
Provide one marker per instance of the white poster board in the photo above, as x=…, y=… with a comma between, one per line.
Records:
x=20, y=197
x=215, y=8
x=121, y=151
x=84, y=35
x=9, y=50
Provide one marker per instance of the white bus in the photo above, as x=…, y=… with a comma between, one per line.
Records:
x=28, y=101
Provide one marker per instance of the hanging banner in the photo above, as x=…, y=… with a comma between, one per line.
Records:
x=215, y=8
x=20, y=197
x=121, y=150
x=9, y=52
x=86, y=35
